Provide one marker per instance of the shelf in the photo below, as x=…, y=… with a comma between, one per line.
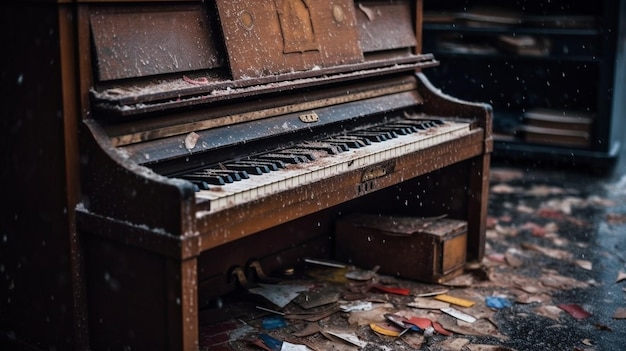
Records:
x=508, y=43
x=441, y=54
x=518, y=56
x=495, y=30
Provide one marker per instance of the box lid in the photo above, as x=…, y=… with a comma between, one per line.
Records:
x=408, y=226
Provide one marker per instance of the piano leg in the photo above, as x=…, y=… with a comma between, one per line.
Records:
x=477, y=207
x=182, y=303
x=138, y=299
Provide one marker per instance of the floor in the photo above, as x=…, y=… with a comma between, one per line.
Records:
x=554, y=278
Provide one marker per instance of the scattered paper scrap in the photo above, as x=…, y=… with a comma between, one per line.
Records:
x=309, y=329
x=414, y=340
x=549, y=311
x=356, y=306
x=385, y=329
x=350, y=337
x=427, y=304
x=453, y=344
x=584, y=264
x=574, y=310
x=534, y=229
x=616, y=218
x=464, y=280
x=620, y=313
x=432, y=293
x=620, y=276
x=554, y=253
x=280, y=295
x=374, y=315
x=455, y=300
x=459, y=315
x=512, y=259
x=528, y=298
x=401, y=322
x=287, y=346
x=362, y=275
x=317, y=297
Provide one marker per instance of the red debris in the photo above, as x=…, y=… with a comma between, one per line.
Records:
x=534, y=228
x=550, y=213
x=392, y=290
x=439, y=329
x=575, y=310
x=421, y=322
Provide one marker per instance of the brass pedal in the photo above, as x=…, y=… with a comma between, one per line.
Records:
x=240, y=275
x=260, y=275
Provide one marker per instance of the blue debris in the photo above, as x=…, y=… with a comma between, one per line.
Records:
x=498, y=302
x=270, y=323
x=273, y=343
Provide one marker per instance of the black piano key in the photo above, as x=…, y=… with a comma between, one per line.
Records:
x=438, y=121
x=390, y=133
x=319, y=146
x=419, y=124
x=408, y=128
x=389, y=130
x=338, y=144
x=308, y=154
x=431, y=123
x=235, y=174
x=201, y=184
x=209, y=179
x=273, y=165
x=287, y=158
x=228, y=177
x=371, y=136
x=377, y=133
x=264, y=167
x=361, y=139
x=350, y=142
x=250, y=168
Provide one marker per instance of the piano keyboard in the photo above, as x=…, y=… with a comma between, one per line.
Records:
x=237, y=182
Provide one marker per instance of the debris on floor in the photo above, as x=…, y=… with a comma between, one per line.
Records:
x=553, y=277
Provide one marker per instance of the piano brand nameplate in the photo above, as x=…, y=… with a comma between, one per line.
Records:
x=265, y=38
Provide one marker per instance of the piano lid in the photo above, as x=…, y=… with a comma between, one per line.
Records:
x=159, y=57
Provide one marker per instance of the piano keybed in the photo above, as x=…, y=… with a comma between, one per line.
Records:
x=251, y=178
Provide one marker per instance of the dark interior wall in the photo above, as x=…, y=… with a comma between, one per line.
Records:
x=36, y=304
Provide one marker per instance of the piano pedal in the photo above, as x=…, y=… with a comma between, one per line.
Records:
x=240, y=275
x=259, y=274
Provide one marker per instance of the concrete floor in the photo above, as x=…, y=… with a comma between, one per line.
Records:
x=555, y=237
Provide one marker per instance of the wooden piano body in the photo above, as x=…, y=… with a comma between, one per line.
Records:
x=169, y=88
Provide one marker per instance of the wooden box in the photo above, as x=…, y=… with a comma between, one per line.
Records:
x=430, y=250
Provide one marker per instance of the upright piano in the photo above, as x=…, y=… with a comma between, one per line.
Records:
x=221, y=136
